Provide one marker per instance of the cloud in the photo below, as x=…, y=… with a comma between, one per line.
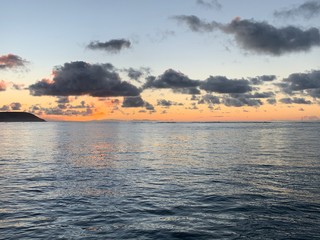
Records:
x=309, y=81
x=209, y=4
x=221, y=84
x=3, y=85
x=135, y=102
x=209, y=99
x=164, y=103
x=315, y=93
x=5, y=108
x=255, y=95
x=171, y=79
x=136, y=74
x=81, y=78
x=15, y=106
x=167, y=103
x=191, y=91
x=262, y=79
x=196, y=24
x=11, y=61
x=64, y=109
x=295, y=101
x=272, y=101
x=112, y=46
x=307, y=10
x=129, y=102
x=246, y=99
x=63, y=99
x=259, y=37
x=240, y=102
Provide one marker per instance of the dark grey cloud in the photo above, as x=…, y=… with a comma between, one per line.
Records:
x=307, y=10
x=301, y=81
x=171, y=79
x=167, y=103
x=259, y=37
x=63, y=99
x=254, y=95
x=262, y=79
x=315, y=93
x=81, y=78
x=210, y=4
x=190, y=91
x=221, y=84
x=164, y=103
x=149, y=107
x=240, y=102
x=209, y=99
x=295, y=101
x=196, y=24
x=136, y=74
x=113, y=46
x=272, y=101
x=11, y=61
x=135, y=102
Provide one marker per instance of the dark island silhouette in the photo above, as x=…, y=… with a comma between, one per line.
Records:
x=19, y=117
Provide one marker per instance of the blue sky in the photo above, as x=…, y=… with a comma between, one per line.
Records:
x=51, y=33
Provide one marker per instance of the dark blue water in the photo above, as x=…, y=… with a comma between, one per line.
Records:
x=159, y=181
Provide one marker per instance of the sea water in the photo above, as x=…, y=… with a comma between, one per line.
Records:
x=149, y=180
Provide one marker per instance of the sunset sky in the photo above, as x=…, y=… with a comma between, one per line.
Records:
x=168, y=60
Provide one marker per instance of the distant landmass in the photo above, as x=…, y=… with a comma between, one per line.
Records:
x=19, y=117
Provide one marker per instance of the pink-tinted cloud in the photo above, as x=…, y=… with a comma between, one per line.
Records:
x=11, y=61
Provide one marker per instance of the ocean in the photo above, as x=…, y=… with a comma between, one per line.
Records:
x=150, y=180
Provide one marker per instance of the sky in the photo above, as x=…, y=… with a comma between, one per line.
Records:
x=168, y=60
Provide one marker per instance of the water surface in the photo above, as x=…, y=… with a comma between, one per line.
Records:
x=159, y=180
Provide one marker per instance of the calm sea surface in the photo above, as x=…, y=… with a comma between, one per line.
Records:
x=159, y=180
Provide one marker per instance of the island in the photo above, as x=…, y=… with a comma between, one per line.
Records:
x=19, y=117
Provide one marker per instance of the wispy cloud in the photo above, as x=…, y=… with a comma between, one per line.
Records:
x=210, y=4
x=307, y=10
x=4, y=85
